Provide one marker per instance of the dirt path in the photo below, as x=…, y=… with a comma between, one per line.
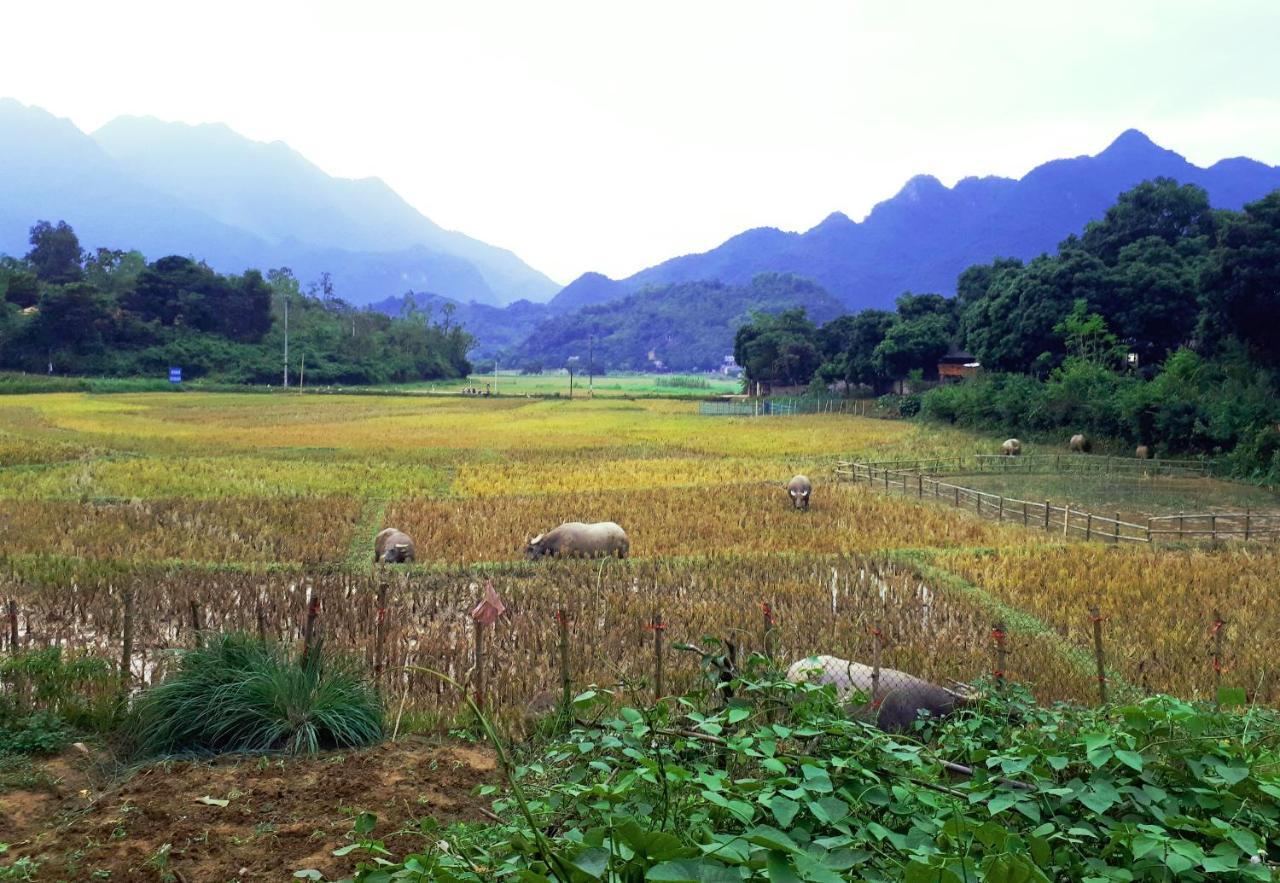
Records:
x=281, y=815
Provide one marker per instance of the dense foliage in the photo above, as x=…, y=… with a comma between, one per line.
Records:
x=46, y=697
x=239, y=693
x=778, y=783
x=66, y=311
x=685, y=327
x=1154, y=326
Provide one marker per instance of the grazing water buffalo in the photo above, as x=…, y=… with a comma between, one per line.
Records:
x=574, y=539
x=800, y=488
x=392, y=546
x=1079, y=444
x=1143, y=452
x=900, y=697
x=1011, y=448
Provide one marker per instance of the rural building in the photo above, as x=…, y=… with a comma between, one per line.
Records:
x=956, y=366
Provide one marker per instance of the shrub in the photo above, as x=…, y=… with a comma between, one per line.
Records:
x=239, y=693
x=46, y=696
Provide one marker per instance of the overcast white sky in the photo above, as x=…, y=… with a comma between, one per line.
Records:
x=610, y=136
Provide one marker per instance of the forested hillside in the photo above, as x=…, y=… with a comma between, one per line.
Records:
x=684, y=327
x=66, y=311
x=1155, y=325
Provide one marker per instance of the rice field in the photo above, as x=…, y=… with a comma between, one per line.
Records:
x=232, y=510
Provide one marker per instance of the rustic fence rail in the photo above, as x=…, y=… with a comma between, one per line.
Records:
x=919, y=478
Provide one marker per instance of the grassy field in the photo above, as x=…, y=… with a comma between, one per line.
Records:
x=205, y=496
x=557, y=383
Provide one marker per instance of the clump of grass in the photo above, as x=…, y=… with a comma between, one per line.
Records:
x=240, y=693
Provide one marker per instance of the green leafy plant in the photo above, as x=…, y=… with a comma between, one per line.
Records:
x=777, y=784
x=239, y=693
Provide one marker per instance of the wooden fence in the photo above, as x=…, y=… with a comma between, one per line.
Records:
x=1033, y=464
x=918, y=478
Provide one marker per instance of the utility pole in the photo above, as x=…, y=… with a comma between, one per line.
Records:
x=495, y=375
x=286, y=341
x=591, y=367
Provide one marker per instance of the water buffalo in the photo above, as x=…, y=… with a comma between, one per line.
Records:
x=1143, y=452
x=899, y=699
x=1011, y=448
x=392, y=546
x=1079, y=444
x=574, y=539
x=800, y=489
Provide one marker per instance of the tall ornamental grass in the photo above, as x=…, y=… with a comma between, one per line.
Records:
x=239, y=693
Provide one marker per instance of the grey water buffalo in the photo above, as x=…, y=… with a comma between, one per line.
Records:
x=1079, y=444
x=800, y=489
x=1143, y=452
x=899, y=697
x=574, y=539
x=392, y=546
x=1011, y=448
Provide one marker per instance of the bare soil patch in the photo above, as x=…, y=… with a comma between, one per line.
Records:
x=282, y=814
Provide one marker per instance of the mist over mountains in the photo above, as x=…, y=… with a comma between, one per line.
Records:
x=924, y=236
x=205, y=191
x=170, y=188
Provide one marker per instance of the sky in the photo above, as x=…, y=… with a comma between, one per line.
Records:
x=610, y=136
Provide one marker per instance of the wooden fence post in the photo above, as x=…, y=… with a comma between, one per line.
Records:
x=380, y=631
x=1180, y=516
x=957, y=496
x=876, y=646
x=1148, y=528
x=1088, y=525
x=919, y=485
x=308, y=631
x=998, y=635
x=768, y=630
x=1097, y=652
x=1218, y=623
x=1213, y=525
x=1248, y=515
x=1046, y=515
x=1024, y=513
x=658, y=627
x=126, y=650
x=1066, y=519
x=479, y=663
x=1116, y=539
x=565, y=698
x=195, y=622
x=13, y=626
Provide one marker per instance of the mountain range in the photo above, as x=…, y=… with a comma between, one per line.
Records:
x=170, y=188
x=205, y=191
x=924, y=236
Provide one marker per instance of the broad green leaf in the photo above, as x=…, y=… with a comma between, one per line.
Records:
x=1131, y=759
x=784, y=809
x=771, y=838
x=693, y=870
x=1001, y=802
x=737, y=715
x=1232, y=697
x=592, y=861
x=781, y=868
x=1011, y=868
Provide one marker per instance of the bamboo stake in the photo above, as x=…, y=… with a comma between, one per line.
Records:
x=875, y=666
x=380, y=631
x=1218, y=623
x=563, y=622
x=1097, y=652
x=126, y=650
x=659, y=688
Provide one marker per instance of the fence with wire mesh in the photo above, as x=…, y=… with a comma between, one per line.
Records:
x=573, y=623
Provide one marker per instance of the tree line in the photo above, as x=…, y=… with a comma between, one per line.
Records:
x=64, y=310
x=1156, y=325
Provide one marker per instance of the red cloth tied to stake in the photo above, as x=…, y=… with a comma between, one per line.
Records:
x=490, y=606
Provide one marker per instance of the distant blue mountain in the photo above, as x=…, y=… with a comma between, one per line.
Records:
x=169, y=188
x=923, y=237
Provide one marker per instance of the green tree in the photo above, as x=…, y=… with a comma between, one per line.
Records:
x=1241, y=283
x=1161, y=208
x=1087, y=337
x=778, y=348
x=55, y=253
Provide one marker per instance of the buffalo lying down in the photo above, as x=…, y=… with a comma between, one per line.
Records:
x=901, y=697
x=392, y=546
x=574, y=539
x=800, y=489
